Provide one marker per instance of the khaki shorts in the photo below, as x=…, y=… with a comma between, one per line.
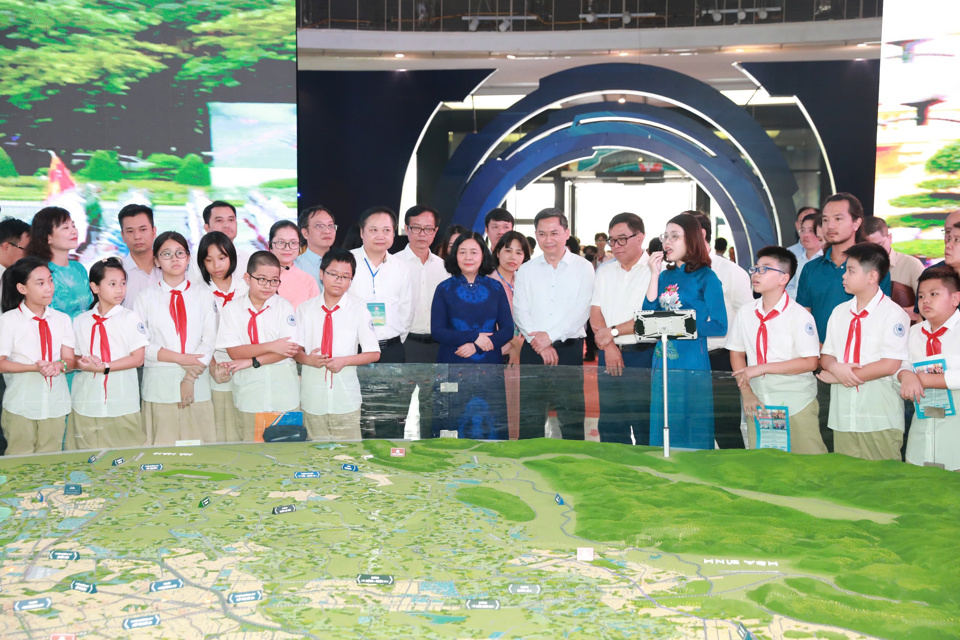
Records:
x=32, y=436
x=333, y=426
x=165, y=423
x=874, y=445
x=84, y=432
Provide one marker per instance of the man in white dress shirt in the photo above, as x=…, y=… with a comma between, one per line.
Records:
x=427, y=271
x=737, y=291
x=551, y=304
x=618, y=293
x=496, y=223
x=384, y=283
x=319, y=229
x=138, y=233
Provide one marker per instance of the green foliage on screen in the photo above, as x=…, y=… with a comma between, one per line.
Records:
x=193, y=171
x=165, y=166
x=102, y=165
x=7, y=169
x=946, y=160
x=106, y=48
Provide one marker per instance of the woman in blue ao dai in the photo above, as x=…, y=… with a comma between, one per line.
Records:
x=687, y=283
x=471, y=320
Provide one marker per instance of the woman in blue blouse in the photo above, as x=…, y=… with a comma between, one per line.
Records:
x=471, y=320
x=687, y=283
x=52, y=237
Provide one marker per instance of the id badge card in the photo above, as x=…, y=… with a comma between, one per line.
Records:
x=378, y=313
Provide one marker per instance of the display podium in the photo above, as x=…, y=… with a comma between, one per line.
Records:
x=664, y=325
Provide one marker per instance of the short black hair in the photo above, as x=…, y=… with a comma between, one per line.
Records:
x=303, y=220
x=12, y=229
x=216, y=203
x=264, y=258
x=220, y=240
x=720, y=244
x=817, y=220
x=874, y=224
x=132, y=210
x=551, y=212
x=336, y=254
x=486, y=263
x=807, y=208
x=943, y=273
x=498, y=214
x=632, y=220
x=417, y=209
x=871, y=257
x=783, y=256
x=285, y=224
x=599, y=235
x=372, y=211
x=573, y=245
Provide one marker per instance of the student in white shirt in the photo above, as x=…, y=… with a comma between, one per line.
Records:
x=138, y=233
x=36, y=349
x=618, y=293
x=336, y=336
x=866, y=343
x=933, y=439
x=111, y=342
x=426, y=271
x=384, y=284
x=217, y=263
x=181, y=321
x=774, y=351
x=259, y=333
x=551, y=304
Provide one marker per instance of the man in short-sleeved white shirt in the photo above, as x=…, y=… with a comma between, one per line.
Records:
x=138, y=232
x=618, y=292
x=551, y=304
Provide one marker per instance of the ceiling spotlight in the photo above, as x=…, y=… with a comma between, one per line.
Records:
x=741, y=15
x=717, y=16
x=591, y=17
x=627, y=17
x=505, y=26
x=474, y=24
x=762, y=14
x=622, y=100
x=398, y=55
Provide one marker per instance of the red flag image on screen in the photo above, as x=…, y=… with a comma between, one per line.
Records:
x=59, y=179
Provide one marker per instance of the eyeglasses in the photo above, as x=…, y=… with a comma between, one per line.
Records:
x=552, y=234
x=672, y=237
x=324, y=227
x=180, y=254
x=338, y=277
x=280, y=244
x=763, y=270
x=265, y=282
x=421, y=230
x=14, y=244
x=621, y=241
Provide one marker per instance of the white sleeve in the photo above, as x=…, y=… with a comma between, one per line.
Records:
x=522, y=303
x=829, y=347
x=287, y=320
x=365, y=334
x=208, y=333
x=581, y=305
x=805, y=335
x=735, y=340
x=895, y=335
x=153, y=347
x=230, y=334
x=136, y=331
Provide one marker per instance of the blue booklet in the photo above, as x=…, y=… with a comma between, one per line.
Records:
x=773, y=428
x=937, y=403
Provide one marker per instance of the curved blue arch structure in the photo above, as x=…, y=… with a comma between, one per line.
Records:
x=575, y=133
x=765, y=170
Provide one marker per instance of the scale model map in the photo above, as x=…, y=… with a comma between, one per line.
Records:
x=460, y=539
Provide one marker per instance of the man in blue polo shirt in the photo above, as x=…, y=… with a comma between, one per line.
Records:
x=821, y=281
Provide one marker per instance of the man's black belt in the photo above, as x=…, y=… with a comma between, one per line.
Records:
x=565, y=343
x=423, y=338
x=389, y=342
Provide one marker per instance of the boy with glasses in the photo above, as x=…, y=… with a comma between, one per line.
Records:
x=259, y=333
x=336, y=336
x=319, y=229
x=774, y=351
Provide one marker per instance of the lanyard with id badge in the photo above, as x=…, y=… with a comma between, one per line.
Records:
x=378, y=310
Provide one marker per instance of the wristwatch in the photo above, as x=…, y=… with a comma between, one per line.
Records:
x=614, y=332
x=106, y=369
x=256, y=363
